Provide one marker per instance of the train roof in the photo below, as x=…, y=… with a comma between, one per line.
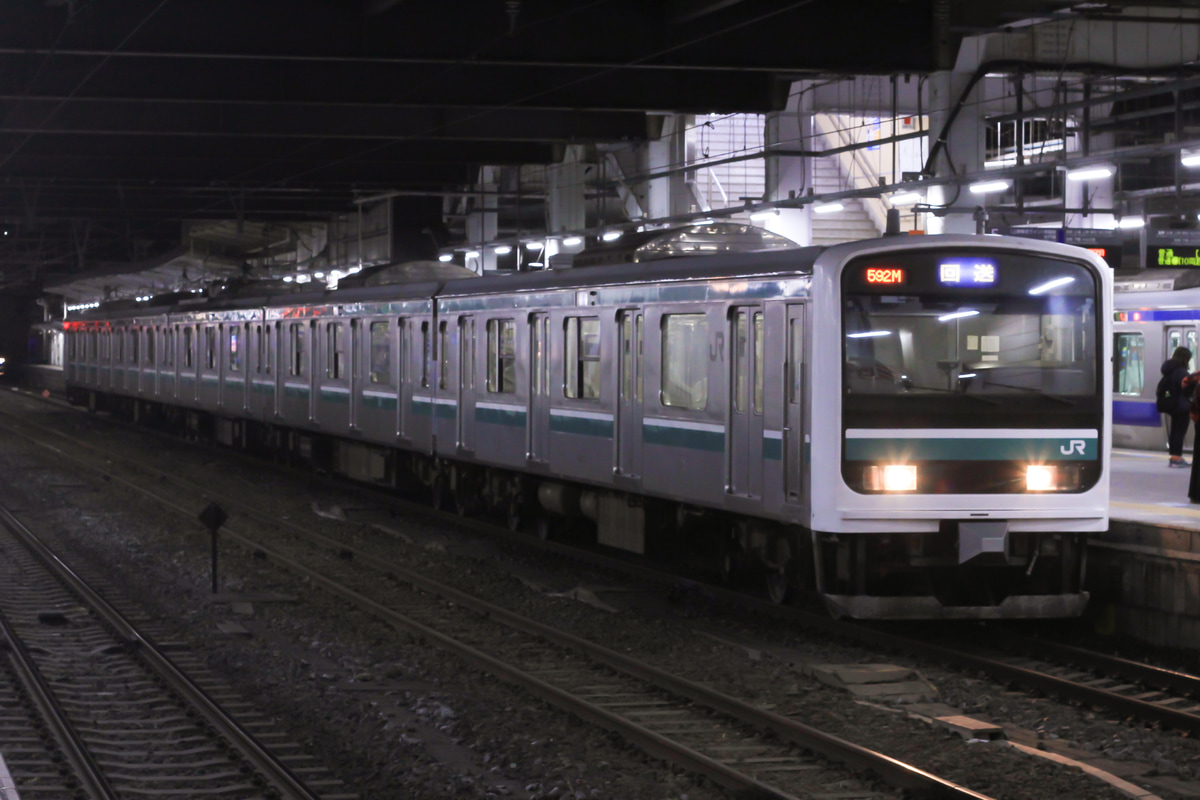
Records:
x=1158, y=289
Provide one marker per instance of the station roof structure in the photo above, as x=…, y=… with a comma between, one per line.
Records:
x=173, y=137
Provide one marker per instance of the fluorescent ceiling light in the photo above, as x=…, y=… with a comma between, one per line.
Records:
x=572, y=241
x=536, y=264
x=534, y=245
x=503, y=250
x=1089, y=173
x=986, y=187
x=1187, y=159
x=702, y=222
x=770, y=212
x=472, y=254
x=611, y=236
x=867, y=334
x=958, y=315
x=318, y=274
x=1131, y=222
x=288, y=279
x=827, y=208
x=966, y=375
x=905, y=198
x=444, y=257
x=1048, y=285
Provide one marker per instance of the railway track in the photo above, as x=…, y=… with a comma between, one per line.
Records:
x=118, y=717
x=736, y=745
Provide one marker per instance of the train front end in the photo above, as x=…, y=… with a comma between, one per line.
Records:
x=961, y=389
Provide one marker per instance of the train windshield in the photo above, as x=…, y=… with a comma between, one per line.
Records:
x=968, y=331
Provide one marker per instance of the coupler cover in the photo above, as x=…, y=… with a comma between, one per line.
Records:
x=983, y=543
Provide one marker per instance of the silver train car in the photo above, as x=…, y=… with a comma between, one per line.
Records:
x=1154, y=312
x=911, y=427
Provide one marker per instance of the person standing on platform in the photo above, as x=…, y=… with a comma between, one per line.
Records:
x=1173, y=401
x=1190, y=383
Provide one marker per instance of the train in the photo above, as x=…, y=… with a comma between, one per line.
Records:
x=908, y=427
x=1156, y=311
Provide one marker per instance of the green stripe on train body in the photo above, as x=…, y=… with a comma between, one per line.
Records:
x=583, y=426
x=970, y=449
x=692, y=438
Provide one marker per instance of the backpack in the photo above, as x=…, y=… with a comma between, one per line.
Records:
x=1164, y=400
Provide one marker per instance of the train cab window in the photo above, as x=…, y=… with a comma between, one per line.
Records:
x=502, y=356
x=443, y=354
x=582, y=358
x=189, y=347
x=426, y=354
x=381, y=352
x=685, y=361
x=1129, y=374
x=335, y=350
x=210, y=347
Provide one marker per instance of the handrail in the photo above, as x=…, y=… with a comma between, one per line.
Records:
x=855, y=166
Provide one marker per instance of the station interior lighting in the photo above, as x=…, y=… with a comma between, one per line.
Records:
x=572, y=241
x=503, y=250
x=444, y=257
x=767, y=214
x=288, y=279
x=1054, y=284
x=705, y=221
x=1131, y=222
x=318, y=275
x=611, y=236
x=1189, y=159
x=303, y=278
x=534, y=245
x=1090, y=173
x=987, y=187
x=472, y=254
x=827, y=208
x=906, y=198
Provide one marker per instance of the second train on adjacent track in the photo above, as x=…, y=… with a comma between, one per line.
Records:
x=909, y=426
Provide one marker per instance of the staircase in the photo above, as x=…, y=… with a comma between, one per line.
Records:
x=848, y=225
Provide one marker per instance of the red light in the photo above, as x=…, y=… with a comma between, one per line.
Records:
x=1100, y=251
x=885, y=275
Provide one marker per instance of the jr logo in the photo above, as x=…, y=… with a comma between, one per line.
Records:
x=1074, y=446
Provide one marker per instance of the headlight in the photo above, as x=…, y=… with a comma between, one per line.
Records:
x=890, y=478
x=1040, y=479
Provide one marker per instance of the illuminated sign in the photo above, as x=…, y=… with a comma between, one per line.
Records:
x=1100, y=251
x=885, y=275
x=967, y=272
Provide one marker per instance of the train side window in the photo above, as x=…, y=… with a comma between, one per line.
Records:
x=381, y=352
x=426, y=354
x=335, y=340
x=235, y=349
x=402, y=348
x=151, y=333
x=795, y=359
x=443, y=353
x=118, y=355
x=296, y=340
x=168, y=356
x=135, y=336
x=1129, y=375
x=189, y=347
x=502, y=356
x=582, y=358
x=685, y=361
x=210, y=347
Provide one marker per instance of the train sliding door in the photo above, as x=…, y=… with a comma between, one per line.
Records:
x=538, y=418
x=744, y=442
x=794, y=482
x=1179, y=336
x=629, y=400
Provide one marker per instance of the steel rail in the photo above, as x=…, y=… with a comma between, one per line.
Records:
x=894, y=772
x=86, y=770
x=283, y=779
x=858, y=632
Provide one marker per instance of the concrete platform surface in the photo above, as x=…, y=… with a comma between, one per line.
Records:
x=1145, y=490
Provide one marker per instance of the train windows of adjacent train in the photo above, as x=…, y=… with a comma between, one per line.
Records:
x=335, y=350
x=135, y=337
x=685, y=361
x=264, y=349
x=758, y=362
x=426, y=353
x=502, y=356
x=150, y=334
x=381, y=352
x=741, y=344
x=795, y=360
x=582, y=363
x=1129, y=376
x=541, y=361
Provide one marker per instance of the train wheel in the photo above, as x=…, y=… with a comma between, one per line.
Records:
x=438, y=491
x=777, y=585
